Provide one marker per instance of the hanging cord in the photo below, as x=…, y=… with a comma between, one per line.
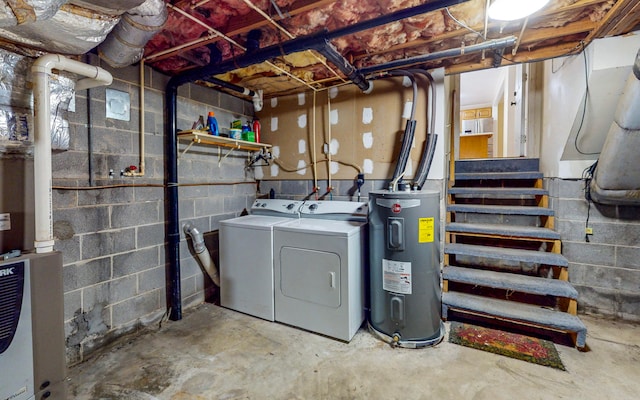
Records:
x=463, y=25
x=313, y=149
x=584, y=105
x=587, y=175
x=329, y=142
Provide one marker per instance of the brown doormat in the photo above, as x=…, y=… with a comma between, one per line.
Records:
x=526, y=348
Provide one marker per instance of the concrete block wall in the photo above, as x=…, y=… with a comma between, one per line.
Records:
x=112, y=239
x=606, y=269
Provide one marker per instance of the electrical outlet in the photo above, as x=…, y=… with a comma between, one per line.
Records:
x=588, y=231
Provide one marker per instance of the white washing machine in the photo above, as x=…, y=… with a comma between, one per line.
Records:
x=246, y=257
x=319, y=268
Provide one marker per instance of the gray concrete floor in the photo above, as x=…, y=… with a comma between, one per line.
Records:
x=215, y=353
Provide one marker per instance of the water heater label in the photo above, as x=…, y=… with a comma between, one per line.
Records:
x=396, y=276
x=5, y=222
x=425, y=230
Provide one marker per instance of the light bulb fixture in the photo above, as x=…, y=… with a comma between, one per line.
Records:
x=510, y=10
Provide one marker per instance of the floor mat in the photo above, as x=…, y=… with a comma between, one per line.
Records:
x=533, y=350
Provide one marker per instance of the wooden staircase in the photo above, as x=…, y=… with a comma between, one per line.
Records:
x=503, y=259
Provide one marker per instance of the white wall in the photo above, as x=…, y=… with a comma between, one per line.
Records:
x=438, y=166
x=564, y=87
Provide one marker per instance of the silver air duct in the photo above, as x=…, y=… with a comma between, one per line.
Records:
x=27, y=11
x=202, y=252
x=125, y=45
x=616, y=179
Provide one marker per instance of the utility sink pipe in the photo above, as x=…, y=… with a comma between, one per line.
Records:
x=42, y=70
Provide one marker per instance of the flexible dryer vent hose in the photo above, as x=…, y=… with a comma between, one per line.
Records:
x=203, y=253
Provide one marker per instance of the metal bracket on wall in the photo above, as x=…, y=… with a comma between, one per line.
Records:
x=184, y=151
x=220, y=160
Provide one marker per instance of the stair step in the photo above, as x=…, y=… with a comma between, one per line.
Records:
x=473, y=176
x=497, y=209
x=517, y=312
x=498, y=165
x=498, y=192
x=502, y=253
x=511, y=231
x=507, y=281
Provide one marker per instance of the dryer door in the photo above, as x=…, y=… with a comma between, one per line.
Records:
x=310, y=275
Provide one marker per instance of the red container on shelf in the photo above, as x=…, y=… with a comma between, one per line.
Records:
x=256, y=129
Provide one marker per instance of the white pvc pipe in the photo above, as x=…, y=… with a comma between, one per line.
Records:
x=41, y=69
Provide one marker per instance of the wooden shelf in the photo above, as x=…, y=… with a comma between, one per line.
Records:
x=203, y=137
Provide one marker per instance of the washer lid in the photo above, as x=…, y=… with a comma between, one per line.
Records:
x=255, y=221
x=322, y=227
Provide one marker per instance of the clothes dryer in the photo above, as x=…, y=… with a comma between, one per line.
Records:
x=319, y=269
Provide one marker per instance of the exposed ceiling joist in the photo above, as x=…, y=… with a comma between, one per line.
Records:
x=555, y=31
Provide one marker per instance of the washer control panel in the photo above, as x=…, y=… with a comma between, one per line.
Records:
x=275, y=207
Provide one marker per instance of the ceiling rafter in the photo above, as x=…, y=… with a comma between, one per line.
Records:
x=576, y=27
x=559, y=30
x=563, y=49
x=626, y=11
x=240, y=26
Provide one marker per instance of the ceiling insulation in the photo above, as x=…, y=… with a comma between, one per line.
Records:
x=197, y=29
x=200, y=33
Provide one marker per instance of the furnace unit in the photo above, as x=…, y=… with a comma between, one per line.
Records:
x=32, y=353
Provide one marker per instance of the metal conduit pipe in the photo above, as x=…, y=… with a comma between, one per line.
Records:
x=409, y=132
x=229, y=85
x=430, y=145
x=330, y=52
x=171, y=98
x=256, y=97
x=474, y=48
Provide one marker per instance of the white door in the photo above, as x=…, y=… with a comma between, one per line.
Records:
x=517, y=108
x=517, y=117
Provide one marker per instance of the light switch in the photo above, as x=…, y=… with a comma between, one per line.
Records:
x=5, y=222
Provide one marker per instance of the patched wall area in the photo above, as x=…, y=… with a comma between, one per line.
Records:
x=343, y=131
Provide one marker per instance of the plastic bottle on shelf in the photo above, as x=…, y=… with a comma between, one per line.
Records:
x=212, y=124
x=245, y=132
x=256, y=129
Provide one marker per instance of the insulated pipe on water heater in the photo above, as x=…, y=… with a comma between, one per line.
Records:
x=409, y=132
x=431, y=138
x=41, y=69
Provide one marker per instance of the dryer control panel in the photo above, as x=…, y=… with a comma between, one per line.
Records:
x=338, y=210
